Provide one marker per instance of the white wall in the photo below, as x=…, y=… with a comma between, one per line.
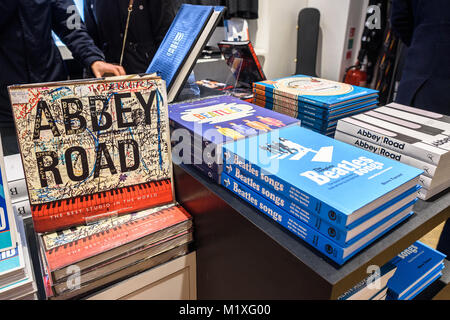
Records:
x=274, y=35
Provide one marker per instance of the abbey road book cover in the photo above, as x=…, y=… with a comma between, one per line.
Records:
x=93, y=148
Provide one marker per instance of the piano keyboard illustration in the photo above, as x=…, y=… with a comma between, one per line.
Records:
x=157, y=226
x=81, y=210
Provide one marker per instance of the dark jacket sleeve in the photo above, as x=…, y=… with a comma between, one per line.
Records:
x=162, y=13
x=402, y=20
x=90, y=21
x=72, y=31
x=7, y=8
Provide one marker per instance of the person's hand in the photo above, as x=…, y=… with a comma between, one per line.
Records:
x=100, y=68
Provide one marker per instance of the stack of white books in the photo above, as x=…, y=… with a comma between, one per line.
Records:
x=17, y=186
x=413, y=136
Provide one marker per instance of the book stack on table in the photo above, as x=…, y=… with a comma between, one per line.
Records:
x=415, y=137
x=318, y=103
x=200, y=129
x=403, y=278
x=336, y=197
x=418, y=267
x=99, y=180
x=16, y=275
x=17, y=280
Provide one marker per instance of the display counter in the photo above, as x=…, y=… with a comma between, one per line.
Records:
x=241, y=254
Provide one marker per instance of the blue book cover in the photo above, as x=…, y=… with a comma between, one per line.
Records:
x=216, y=121
x=179, y=40
x=315, y=122
x=421, y=286
x=337, y=181
x=330, y=132
x=316, y=91
x=342, y=236
x=7, y=225
x=314, y=238
x=413, y=265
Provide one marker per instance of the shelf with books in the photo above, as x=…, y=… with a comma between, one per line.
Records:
x=237, y=247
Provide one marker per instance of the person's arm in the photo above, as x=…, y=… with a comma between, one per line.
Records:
x=402, y=20
x=7, y=8
x=67, y=24
x=162, y=13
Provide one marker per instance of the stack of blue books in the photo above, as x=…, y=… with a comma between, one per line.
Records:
x=412, y=136
x=200, y=129
x=374, y=287
x=336, y=197
x=418, y=266
x=319, y=103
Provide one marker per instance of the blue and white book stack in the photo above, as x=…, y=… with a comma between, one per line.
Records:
x=412, y=136
x=17, y=186
x=418, y=266
x=17, y=281
x=334, y=196
x=318, y=103
x=8, y=237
